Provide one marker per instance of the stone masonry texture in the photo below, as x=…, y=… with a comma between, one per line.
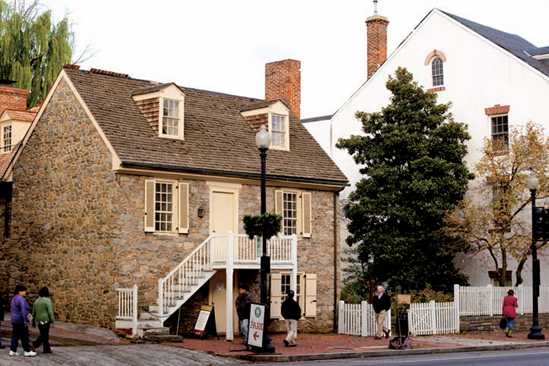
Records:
x=77, y=227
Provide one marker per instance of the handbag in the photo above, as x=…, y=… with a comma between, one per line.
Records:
x=503, y=322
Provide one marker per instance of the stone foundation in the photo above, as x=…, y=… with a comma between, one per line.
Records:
x=490, y=324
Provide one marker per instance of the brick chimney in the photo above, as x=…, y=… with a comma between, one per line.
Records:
x=377, y=41
x=12, y=98
x=283, y=81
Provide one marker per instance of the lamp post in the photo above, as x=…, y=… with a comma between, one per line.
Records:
x=535, y=332
x=263, y=141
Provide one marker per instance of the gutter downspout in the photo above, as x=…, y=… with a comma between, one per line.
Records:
x=336, y=245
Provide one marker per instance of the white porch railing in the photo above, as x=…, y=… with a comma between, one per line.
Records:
x=488, y=300
x=127, y=306
x=433, y=318
x=359, y=319
x=248, y=251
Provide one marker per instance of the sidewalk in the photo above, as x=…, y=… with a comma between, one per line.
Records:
x=334, y=346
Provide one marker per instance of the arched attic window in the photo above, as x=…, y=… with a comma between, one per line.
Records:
x=437, y=71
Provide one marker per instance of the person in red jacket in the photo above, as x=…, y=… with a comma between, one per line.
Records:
x=509, y=305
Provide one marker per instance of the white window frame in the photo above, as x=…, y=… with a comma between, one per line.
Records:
x=174, y=216
x=299, y=295
x=297, y=211
x=7, y=148
x=433, y=75
x=180, y=122
x=284, y=132
x=494, y=136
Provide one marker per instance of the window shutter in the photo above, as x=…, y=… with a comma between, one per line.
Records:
x=276, y=295
x=279, y=207
x=310, y=295
x=183, y=208
x=307, y=225
x=149, y=205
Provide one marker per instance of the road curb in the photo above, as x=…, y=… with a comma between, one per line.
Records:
x=368, y=354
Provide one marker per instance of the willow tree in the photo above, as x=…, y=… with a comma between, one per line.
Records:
x=33, y=48
x=494, y=219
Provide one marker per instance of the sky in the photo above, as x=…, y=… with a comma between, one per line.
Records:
x=223, y=45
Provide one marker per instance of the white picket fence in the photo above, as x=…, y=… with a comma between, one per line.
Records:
x=442, y=317
x=487, y=300
x=359, y=319
x=433, y=318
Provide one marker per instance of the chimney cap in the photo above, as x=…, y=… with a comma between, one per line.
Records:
x=377, y=17
x=7, y=82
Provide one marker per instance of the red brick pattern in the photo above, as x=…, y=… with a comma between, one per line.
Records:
x=283, y=81
x=258, y=120
x=497, y=109
x=14, y=99
x=150, y=108
x=437, y=89
x=377, y=42
x=433, y=54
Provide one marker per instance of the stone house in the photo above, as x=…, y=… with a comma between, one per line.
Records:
x=494, y=79
x=125, y=182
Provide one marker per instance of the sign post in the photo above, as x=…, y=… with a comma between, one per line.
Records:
x=257, y=325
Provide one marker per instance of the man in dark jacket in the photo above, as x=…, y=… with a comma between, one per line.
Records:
x=291, y=311
x=382, y=304
x=243, y=302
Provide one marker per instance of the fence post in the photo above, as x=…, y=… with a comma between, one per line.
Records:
x=160, y=300
x=489, y=299
x=135, y=315
x=456, y=307
x=340, y=317
x=521, y=294
x=433, y=317
x=364, y=319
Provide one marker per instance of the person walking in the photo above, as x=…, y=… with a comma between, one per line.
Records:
x=291, y=312
x=20, y=322
x=382, y=304
x=509, y=311
x=42, y=313
x=243, y=302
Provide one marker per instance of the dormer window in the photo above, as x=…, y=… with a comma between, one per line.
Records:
x=171, y=120
x=6, y=138
x=163, y=106
x=278, y=128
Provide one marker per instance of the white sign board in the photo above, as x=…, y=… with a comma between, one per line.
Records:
x=257, y=322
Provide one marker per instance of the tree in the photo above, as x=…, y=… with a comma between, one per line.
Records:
x=495, y=217
x=412, y=161
x=32, y=48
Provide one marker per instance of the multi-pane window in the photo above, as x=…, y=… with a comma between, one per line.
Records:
x=285, y=281
x=7, y=138
x=437, y=70
x=170, y=117
x=164, y=207
x=500, y=132
x=290, y=213
x=278, y=130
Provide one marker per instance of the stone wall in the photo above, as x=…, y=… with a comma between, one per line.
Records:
x=77, y=227
x=490, y=324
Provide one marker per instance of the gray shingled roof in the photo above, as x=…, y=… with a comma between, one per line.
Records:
x=512, y=43
x=217, y=138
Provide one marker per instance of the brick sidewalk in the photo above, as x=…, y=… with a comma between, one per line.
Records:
x=337, y=343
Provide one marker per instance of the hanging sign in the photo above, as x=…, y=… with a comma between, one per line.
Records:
x=257, y=322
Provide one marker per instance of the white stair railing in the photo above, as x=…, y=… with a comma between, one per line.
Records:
x=183, y=277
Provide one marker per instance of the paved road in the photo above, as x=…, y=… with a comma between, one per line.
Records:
x=126, y=355
x=529, y=357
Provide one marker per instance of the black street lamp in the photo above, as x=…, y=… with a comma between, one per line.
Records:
x=535, y=332
x=263, y=141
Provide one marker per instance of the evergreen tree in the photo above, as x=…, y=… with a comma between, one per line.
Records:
x=33, y=49
x=411, y=156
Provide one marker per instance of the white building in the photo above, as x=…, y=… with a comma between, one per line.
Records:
x=493, y=79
